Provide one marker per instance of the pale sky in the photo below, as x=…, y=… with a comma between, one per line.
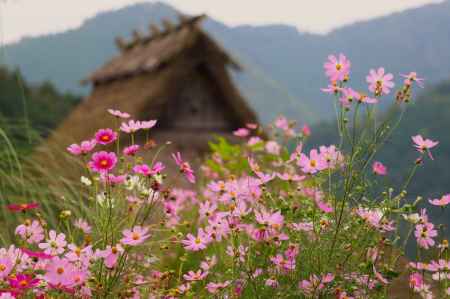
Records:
x=20, y=18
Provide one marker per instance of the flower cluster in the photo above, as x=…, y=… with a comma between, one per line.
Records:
x=269, y=217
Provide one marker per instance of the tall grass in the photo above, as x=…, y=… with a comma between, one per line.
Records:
x=35, y=174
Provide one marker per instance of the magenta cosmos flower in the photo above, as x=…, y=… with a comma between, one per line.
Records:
x=23, y=282
x=118, y=113
x=83, y=148
x=22, y=207
x=185, y=168
x=424, y=145
x=131, y=150
x=135, y=236
x=379, y=82
x=105, y=136
x=103, y=161
x=443, y=201
x=379, y=168
x=337, y=69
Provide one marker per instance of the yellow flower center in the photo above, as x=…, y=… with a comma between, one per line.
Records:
x=60, y=270
x=2, y=267
x=338, y=66
x=135, y=236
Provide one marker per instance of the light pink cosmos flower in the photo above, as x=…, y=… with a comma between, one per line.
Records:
x=315, y=283
x=131, y=150
x=272, y=147
x=147, y=125
x=379, y=82
x=379, y=169
x=254, y=140
x=83, y=225
x=103, y=161
x=196, y=243
x=348, y=97
x=241, y=132
x=363, y=98
x=7, y=295
x=214, y=288
x=303, y=226
x=324, y=206
x=443, y=201
x=130, y=127
x=312, y=164
x=424, y=145
x=145, y=170
x=55, y=243
x=331, y=156
x=82, y=149
x=273, y=220
x=105, y=136
x=136, y=236
x=31, y=232
x=195, y=276
x=6, y=265
x=185, y=168
x=283, y=264
x=337, y=69
x=424, y=234
x=411, y=78
x=332, y=88
x=291, y=177
x=118, y=113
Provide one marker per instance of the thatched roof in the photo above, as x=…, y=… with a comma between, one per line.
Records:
x=145, y=54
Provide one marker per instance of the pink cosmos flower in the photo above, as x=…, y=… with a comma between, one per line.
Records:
x=315, y=283
x=254, y=140
x=110, y=255
x=145, y=170
x=241, y=132
x=273, y=220
x=214, y=288
x=348, y=97
x=7, y=295
x=6, y=265
x=131, y=150
x=118, y=113
x=282, y=263
x=290, y=177
x=105, y=136
x=306, y=131
x=84, y=148
x=31, y=232
x=83, y=225
x=109, y=178
x=55, y=243
x=424, y=235
x=332, y=88
x=363, y=98
x=22, y=207
x=130, y=127
x=379, y=82
x=424, y=145
x=103, y=161
x=443, y=201
x=195, y=276
x=196, y=243
x=185, y=168
x=303, y=226
x=136, y=236
x=272, y=147
x=411, y=78
x=331, y=156
x=147, y=125
x=251, y=126
x=379, y=168
x=273, y=283
x=337, y=69
x=22, y=282
x=313, y=163
x=324, y=206
x=60, y=273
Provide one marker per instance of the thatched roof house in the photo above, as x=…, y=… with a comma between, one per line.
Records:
x=177, y=75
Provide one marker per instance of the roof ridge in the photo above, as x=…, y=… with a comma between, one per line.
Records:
x=155, y=32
